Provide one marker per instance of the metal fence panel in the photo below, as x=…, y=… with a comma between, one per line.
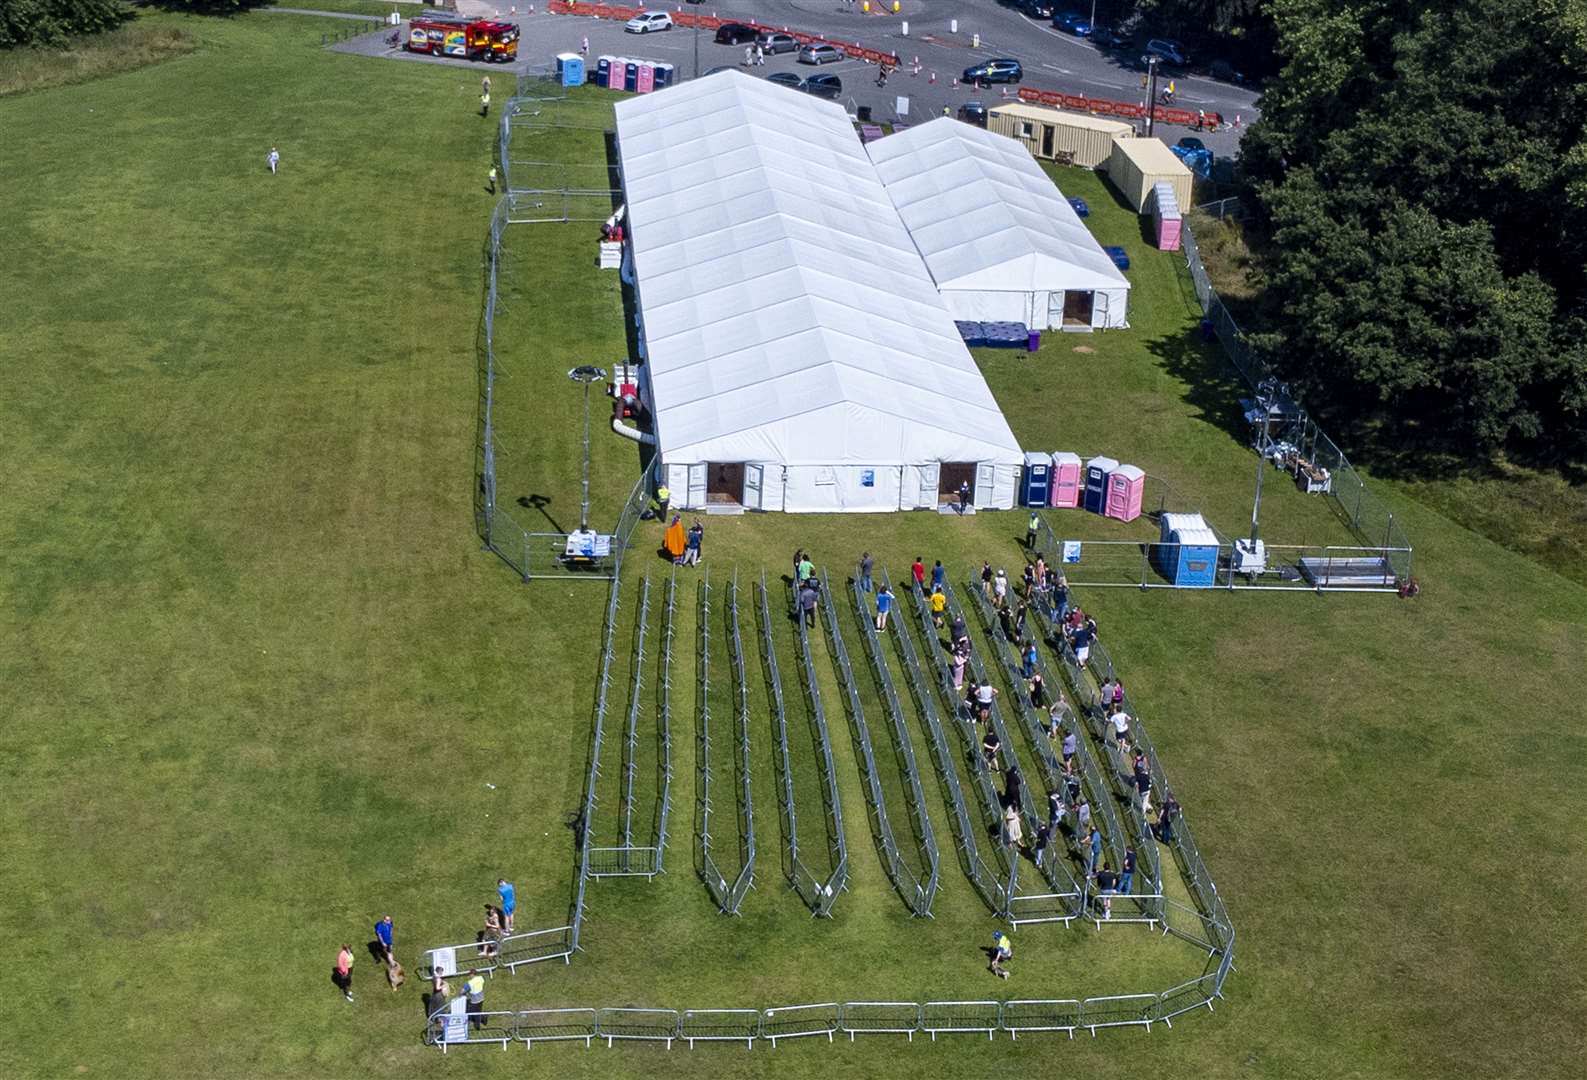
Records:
x=720, y=1025
x=555, y=1025
x=1057, y=1014
x=652, y=1025
x=1120, y=1010
x=944, y=1016
x=797, y=1021
x=880, y=1017
x=1195, y=994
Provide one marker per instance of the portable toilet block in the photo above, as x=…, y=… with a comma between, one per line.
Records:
x=631, y=75
x=572, y=69
x=647, y=76
x=1188, y=553
x=1095, y=497
x=1037, y=480
x=1066, y=480
x=1166, y=217
x=603, y=69
x=1126, y=484
x=664, y=75
x=614, y=73
x=562, y=61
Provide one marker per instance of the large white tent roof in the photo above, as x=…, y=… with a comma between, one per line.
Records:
x=787, y=314
x=984, y=214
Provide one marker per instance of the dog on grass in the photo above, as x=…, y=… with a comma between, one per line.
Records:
x=395, y=975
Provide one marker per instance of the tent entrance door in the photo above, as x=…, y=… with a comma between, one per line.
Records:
x=1046, y=140
x=724, y=482
x=951, y=475
x=1077, y=310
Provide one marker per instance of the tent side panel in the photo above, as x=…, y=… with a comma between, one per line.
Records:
x=977, y=305
x=842, y=489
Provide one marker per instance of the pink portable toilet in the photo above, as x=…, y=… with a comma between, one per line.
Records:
x=1066, y=479
x=647, y=76
x=1126, y=485
x=1166, y=216
x=614, y=74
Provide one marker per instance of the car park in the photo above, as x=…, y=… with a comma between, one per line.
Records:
x=775, y=43
x=735, y=33
x=820, y=54
x=649, y=22
x=785, y=78
x=822, y=86
x=1072, y=22
x=1001, y=70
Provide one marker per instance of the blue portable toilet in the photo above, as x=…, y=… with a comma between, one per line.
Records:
x=631, y=76
x=603, y=67
x=664, y=75
x=1187, y=554
x=1037, y=480
x=1098, y=469
x=573, y=70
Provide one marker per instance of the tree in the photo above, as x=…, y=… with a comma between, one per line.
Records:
x=53, y=23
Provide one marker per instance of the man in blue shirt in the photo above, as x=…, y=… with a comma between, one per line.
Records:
x=1128, y=874
x=884, y=604
x=1082, y=645
x=938, y=575
x=383, y=935
x=1096, y=850
x=509, y=903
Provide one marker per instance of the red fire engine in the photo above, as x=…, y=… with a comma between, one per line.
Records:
x=479, y=39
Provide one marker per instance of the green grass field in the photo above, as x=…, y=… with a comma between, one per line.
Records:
x=258, y=672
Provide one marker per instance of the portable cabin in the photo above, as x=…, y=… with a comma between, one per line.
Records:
x=1126, y=485
x=1036, y=481
x=1066, y=479
x=1055, y=135
x=1188, y=553
x=1136, y=165
x=1098, y=469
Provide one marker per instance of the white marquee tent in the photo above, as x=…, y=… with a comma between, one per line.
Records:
x=797, y=355
x=1000, y=239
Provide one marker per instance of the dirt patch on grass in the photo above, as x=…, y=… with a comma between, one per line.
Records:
x=126, y=49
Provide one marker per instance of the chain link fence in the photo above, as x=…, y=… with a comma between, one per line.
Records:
x=1302, y=446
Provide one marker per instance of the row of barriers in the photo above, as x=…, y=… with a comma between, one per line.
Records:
x=818, y=894
x=728, y=895
x=1016, y=1017
x=690, y=20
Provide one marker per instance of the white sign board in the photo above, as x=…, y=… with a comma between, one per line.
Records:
x=901, y=106
x=444, y=961
x=456, y=1020
x=1071, y=551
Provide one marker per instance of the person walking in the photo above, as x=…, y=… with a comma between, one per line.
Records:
x=484, y=103
x=490, y=936
x=1069, y=750
x=960, y=657
x=484, y=85
x=760, y=55
x=1107, y=889
x=808, y=597
x=1121, y=728
x=957, y=631
x=917, y=570
x=691, y=551
x=986, y=579
x=1037, y=688
x=1143, y=787
x=884, y=607
x=1095, y=841
x=939, y=604
x=490, y=180
x=938, y=575
x=1002, y=953
x=273, y=159
x=343, y=975
x=1082, y=816
x=1167, y=814
x=475, y=988
x=1028, y=659
x=384, y=936
x=1013, y=830
x=675, y=541
x=866, y=565
x=584, y=46
x=749, y=55
x=1000, y=588
x=984, y=693
x=509, y=902
x=1032, y=527
x=990, y=747
x=964, y=496
x=1127, y=875
x=1013, y=789
x=1081, y=641
x=807, y=569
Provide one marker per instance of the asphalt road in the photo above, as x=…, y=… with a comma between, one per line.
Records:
x=1052, y=60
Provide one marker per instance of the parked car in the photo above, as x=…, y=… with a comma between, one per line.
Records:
x=1190, y=142
x=1224, y=71
x=735, y=33
x=1001, y=70
x=1072, y=22
x=778, y=43
x=649, y=22
x=1120, y=257
x=1081, y=209
x=724, y=67
x=820, y=54
x=973, y=112
x=1104, y=38
x=1036, y=9
x=1168, y=51
x=785, y=78
x=822, y=86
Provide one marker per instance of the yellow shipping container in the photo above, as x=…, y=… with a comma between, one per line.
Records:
x=1136, y=164
x=1052, y=133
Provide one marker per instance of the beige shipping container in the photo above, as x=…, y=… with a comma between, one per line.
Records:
x=1052, y=133
x=1136, y=164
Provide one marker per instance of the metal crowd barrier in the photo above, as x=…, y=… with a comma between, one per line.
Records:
x=746, y=798
x=818, y=895
x=991, y=886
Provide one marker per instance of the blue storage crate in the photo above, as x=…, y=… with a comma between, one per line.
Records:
x=1120, y=257
x=1080, y=207
x=973, y=333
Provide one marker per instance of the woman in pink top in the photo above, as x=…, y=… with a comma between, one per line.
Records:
x=343, y=977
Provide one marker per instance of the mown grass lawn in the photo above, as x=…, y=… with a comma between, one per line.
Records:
x=258, y=673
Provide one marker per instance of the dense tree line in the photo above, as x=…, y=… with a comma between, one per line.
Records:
x=53, y=23
x=1421, y=172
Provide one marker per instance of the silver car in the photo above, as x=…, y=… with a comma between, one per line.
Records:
x=775, y=43
x=820, y=54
